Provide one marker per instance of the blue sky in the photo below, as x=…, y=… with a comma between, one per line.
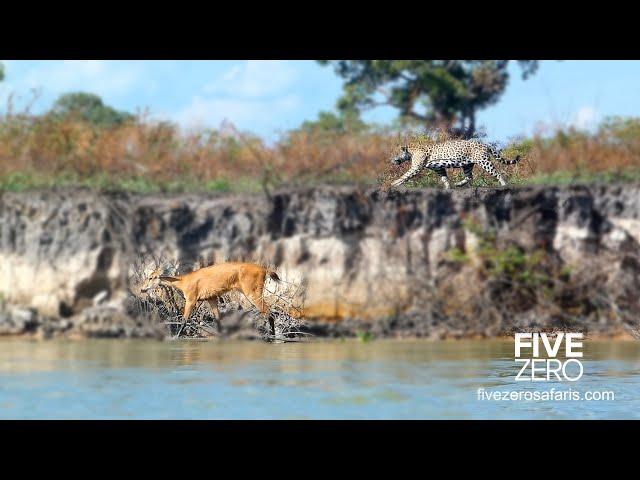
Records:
x=268, y=97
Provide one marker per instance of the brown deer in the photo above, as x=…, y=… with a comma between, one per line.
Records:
x=210, y=282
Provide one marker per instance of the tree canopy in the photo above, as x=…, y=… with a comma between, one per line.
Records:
x=346, y=121
x=88, y=107
x=1, y=72
x=440, y=93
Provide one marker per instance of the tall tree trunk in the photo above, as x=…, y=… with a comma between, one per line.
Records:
x=472, y=122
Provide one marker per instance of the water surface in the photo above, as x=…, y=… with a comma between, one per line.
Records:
x=120, y=379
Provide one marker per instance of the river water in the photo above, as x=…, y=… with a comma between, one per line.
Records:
x=121, y=379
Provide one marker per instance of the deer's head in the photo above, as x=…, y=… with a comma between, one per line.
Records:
x=156, y=278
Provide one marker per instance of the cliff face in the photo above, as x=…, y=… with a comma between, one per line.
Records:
x=58, y=250
x=360, y=252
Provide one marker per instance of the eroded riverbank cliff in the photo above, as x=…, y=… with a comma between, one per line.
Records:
x=415, y=263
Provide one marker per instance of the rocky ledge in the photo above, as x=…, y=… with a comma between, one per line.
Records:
x=427, y=262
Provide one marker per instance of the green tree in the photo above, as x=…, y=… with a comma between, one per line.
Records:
x=1, y=72
x=89, y=108
x=346, y=121
x=440, y=93
x=623, y=130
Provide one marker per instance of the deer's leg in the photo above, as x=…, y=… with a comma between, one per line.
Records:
x=255, y=296
x=257, y=300
x=272, y=325
x=260, y=304
x=213, y=304
x=189, y=303
x=251, y=288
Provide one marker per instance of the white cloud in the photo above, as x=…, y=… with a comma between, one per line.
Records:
x=257, y=113
x=253, y=95
x=254, y=79
x=585, y=118
x=105, y=78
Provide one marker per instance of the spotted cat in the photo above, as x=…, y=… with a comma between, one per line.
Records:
x=450, y=154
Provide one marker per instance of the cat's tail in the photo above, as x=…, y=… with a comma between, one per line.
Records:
x=496, y=154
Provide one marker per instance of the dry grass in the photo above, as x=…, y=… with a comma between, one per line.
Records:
x=35, y=150
x=143, y=155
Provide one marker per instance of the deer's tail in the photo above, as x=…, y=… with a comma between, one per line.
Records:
x=273, y=275
x=293, y=312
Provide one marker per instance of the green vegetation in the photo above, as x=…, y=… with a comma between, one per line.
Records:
x=515, y=278
x=81, y=141
x=564, y=177
x=87, y=107
x=520, y=148
x=497, y=278
x=441, y=93
x=526, y=273
x=364, y=337
x=330, y=123
x=25, y=181
x=142, y=156
x=515, y=265
x=457, y=255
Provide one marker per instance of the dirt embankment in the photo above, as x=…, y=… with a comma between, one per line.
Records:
x=413, y=263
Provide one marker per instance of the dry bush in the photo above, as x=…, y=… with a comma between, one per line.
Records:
x=149, y=155
x=166, y=304
x=159, y=152
x=510, y=288
x=575, y=152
